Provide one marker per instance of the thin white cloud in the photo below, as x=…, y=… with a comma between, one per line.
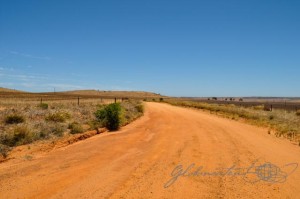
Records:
x=23, y=77
x=120, y=88
x=14, y=74
x=36, y=82
x=29, y=85
x=6, y=68
x=7, y=84
x=40, y=87
x=64, y=87
x=29, y=56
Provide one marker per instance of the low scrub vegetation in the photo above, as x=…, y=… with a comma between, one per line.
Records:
x=284, y=123
x=14, y=119
x=58, y=117
x=4, y=150
x=24, y=122
x=17, y=136
x=298, y=113
x=75, y=128
x=260, y=107
x=140, y=108
x=131, y=111
x=43, y=106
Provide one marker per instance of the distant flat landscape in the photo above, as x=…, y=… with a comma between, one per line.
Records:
x=10, y=93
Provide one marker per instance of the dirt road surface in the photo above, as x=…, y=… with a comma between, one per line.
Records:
x=137, y=162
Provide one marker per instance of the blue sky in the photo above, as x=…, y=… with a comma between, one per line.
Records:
x=177, y=48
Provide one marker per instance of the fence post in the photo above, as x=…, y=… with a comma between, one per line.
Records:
x=41, y=100
x=78, y=101
x=115, y=100
x=271, y=107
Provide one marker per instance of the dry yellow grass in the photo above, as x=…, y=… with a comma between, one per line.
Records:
x=8, y=90
x=52, y=119
x=120, y=94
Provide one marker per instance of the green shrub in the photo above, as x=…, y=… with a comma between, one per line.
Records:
x=14, y=119
x=75, y=128
x=43, y=106
x=58, y=117
x=110, y=116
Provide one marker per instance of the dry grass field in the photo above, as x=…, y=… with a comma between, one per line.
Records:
x=289, y=104
x=83, y=94
x=24, y=118
x=118, y=94
x=8, y=90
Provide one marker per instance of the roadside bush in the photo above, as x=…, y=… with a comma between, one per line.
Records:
x=140, y=108
x=43, y=106
x=58, y=117
x=14, y=119
x=110, y=116
x=94, y=125
x=75, y=128
x=260, y=107
x=57, y=129
x=4, y=150
x=131, y=110
x=20, y=135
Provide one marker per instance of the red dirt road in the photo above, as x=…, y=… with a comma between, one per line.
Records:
x=137, y=162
